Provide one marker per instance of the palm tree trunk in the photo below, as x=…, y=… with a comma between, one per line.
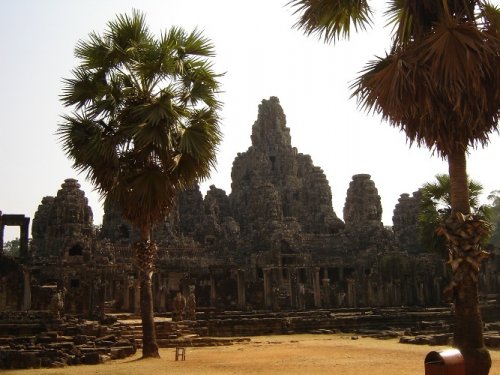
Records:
x=457, y=168
x=468, y=333
x=146, y=253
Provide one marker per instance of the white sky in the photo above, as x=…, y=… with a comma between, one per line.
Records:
x=262, y=56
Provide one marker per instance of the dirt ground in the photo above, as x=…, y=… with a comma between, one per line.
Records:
x=288, y=354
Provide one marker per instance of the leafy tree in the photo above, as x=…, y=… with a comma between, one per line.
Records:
x=144, y=126
x=435, y=208
x=12, y=248
x=494, y=199
x=439, y=83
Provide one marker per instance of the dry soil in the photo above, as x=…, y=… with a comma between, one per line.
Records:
x=288, y=354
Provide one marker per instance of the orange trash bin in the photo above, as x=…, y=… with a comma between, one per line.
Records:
x=444, y=362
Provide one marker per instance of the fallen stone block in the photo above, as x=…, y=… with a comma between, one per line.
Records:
x=91, y=359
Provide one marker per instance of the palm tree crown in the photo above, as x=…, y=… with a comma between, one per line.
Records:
x=440, y=84
x=441, y=75
x=435, y=207
x=145, y=120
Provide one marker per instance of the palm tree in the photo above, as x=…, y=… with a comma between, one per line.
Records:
x=439, y=83
x=435, y=208
x=494, y=198
x=144, y=126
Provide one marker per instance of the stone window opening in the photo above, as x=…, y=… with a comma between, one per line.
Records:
x=301, y=275
x=348, y=272
x=272, y=159
x=209, y=240
x=124, y=231
x=284, y=272
x=23, y=223
x=260, y=273
x=75, y=250
x=285, y=247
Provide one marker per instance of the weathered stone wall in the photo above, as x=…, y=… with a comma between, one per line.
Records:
x=11, y=284
x=362, y=207
x=63, y=225
x=405, y=223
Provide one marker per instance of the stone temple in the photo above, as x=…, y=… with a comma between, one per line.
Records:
x=274, y=243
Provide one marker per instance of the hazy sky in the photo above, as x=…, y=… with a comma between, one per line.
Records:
x=262, y=56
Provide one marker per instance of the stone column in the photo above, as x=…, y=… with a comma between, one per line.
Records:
x=351, y=293
x=213, y=292
x=291, y=286
x=240, y=278
x=368, y=292
x=420, y=293
x=156, y=291
x=27, y=290
x=316, y=288
x=126, y=295
x=23, y=240
x=437, y=290
x=326, y=292
x=268, y=295
x=397, y=292
x=163, y=300
x=325, y=273
x=163, y=294
x=137, y=296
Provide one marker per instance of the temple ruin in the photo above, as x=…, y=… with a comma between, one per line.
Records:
x=274, y=243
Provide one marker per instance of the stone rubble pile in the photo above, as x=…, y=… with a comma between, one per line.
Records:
x=37, y=339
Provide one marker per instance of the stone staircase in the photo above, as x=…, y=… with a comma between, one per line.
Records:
x=176, y=334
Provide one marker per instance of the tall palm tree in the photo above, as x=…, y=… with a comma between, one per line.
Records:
x=144, y=126
x=440, y=84
x=435, y=208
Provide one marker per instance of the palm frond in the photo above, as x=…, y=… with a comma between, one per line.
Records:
x=198, y=45
x=331, y=20
x=128, y=33
x=491, y=15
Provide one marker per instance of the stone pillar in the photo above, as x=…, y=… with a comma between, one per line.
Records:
x=163, y=300
x=420, y=293
x=316, y=288
x=437, y=290
x=126, y=295
x=213, y=292
x=27, y=290
x=397, y=292
x=368, y=292
x=326, y=292
x=137, y=296
x=240, y=277
x=295, y=288
x=325, y=273
x=163, y=294
x=156, y=291
x=351, y=293
x=292, y=279
x=268, y=295
x=23, y=240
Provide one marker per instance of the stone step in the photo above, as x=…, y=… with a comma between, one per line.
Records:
x=200, y=342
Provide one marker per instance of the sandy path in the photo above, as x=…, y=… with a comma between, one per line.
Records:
x=288, y=354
